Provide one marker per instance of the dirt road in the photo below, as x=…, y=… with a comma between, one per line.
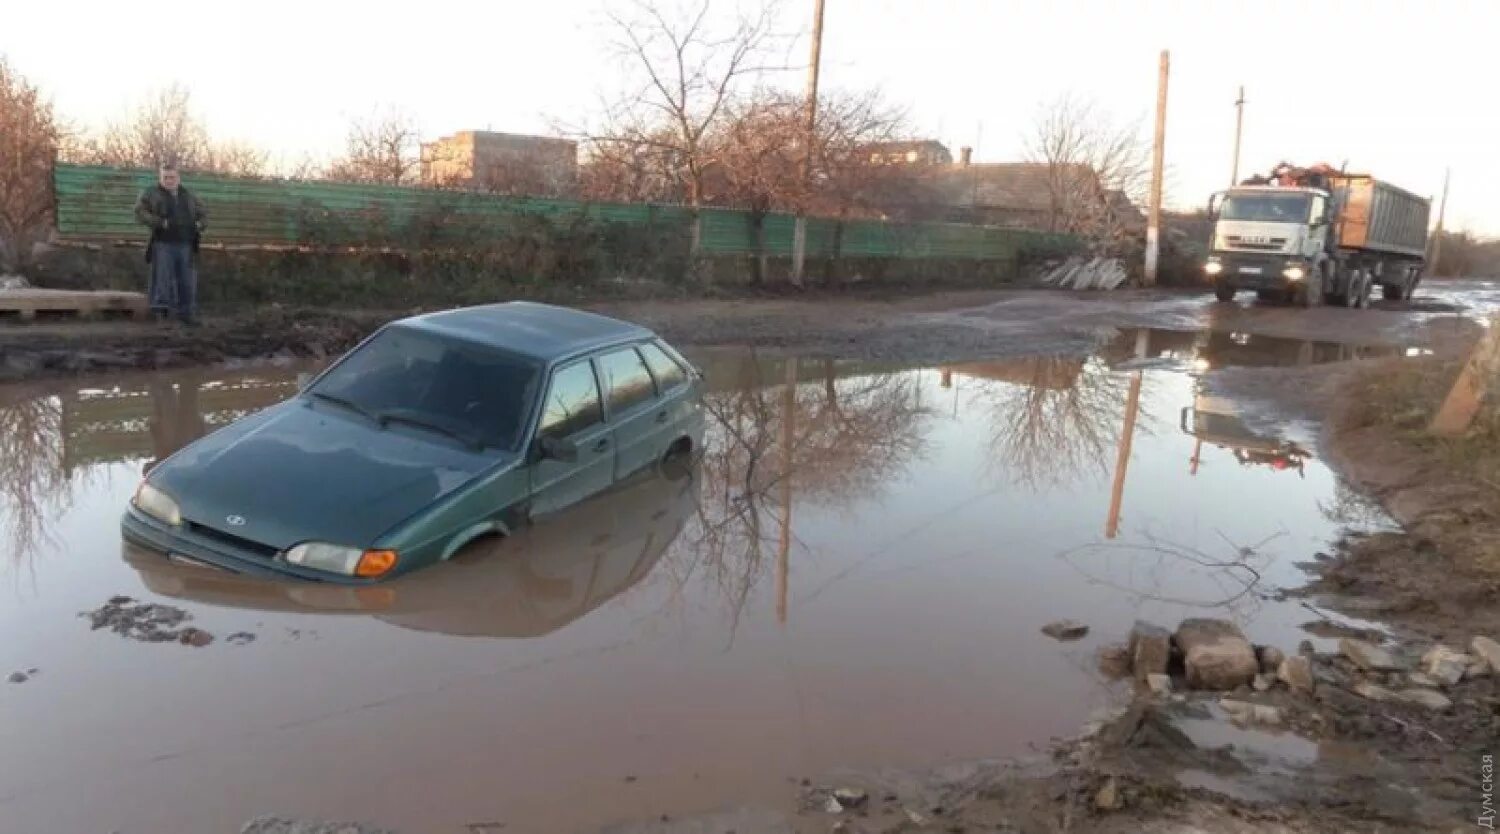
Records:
x=940, y=327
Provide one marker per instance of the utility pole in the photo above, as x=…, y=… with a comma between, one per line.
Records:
x=799, y=230
x=1437, y=234
x=1122, y=458
x=1158, y=153
x=788, y=437
x=1239, y=123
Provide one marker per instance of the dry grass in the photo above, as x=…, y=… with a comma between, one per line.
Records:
x=1400, y=396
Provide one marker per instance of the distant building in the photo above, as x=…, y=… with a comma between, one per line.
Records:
x=506, y=162
x=914, y=152
x=1025, y=194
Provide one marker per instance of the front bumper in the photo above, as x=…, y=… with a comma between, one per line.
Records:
x=144, y=531
x=1256, y=271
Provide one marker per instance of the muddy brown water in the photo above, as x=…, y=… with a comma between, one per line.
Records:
x=855, y=577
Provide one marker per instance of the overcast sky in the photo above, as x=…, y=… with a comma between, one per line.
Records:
x=1400, y=89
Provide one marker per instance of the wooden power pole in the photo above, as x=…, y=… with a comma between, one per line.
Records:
x=1239, y=124
x=1437, y=233
x=1158, y=154
x=799, y=230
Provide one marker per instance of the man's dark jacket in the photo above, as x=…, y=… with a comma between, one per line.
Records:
x=179, y=219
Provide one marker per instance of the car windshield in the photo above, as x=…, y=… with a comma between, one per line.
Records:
x=472, y=394
x=1267, y=208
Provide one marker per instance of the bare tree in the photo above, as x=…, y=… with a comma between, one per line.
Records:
x=382, y=148
x=686, y=71
x=165, y=129
x=1096, y=169
x=28, y=144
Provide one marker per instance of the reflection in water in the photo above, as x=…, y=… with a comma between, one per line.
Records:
x=56, y=436
x=34, y=480
x=842, y=434
x=1052, y=420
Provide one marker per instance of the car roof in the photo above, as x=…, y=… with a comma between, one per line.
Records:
x=541, y=331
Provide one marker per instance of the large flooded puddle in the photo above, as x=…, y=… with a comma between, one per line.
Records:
x=857, y=576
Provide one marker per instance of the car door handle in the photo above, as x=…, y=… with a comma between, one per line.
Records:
x=602, y=445
x=661, y=416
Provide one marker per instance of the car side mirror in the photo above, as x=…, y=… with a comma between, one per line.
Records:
x=303, y=379
x=558, y=449
x=1213, y=206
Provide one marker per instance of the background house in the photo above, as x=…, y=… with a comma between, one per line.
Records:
x=508, y=163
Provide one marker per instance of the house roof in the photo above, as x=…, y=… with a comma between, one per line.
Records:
x=1017, y=186
x=541, y=331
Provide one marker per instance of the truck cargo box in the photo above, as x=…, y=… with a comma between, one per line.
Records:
x=1380, y=217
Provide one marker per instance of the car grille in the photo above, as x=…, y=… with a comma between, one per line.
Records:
x=1265, y=244
x=234, y=541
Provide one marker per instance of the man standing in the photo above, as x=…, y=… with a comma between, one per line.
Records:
x=176, y=219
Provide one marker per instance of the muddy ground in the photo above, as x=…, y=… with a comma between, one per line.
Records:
x=1382, y=764
x=944, y=326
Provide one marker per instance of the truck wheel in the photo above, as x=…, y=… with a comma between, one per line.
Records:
x=1311, y=292
x=1223, y=291
x=1359, y=295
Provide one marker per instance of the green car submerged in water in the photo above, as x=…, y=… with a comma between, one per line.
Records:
x=433, y=432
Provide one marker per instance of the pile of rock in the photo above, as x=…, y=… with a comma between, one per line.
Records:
x=1207, y=654
x=1213, y=655
x=1380, y=674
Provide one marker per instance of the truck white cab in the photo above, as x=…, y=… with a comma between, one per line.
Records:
x=1316, y=235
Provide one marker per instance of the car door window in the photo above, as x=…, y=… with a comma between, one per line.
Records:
x=627, y=383
x=572, y=402
x=668, y=373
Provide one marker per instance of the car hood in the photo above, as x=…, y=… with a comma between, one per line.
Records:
x=299, y=472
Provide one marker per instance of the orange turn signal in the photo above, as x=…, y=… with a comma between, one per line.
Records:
x=375, y=563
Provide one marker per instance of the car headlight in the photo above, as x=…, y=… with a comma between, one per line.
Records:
x=1296, y=273
x=157, y=504
x=336, y=558
x=1213, y=268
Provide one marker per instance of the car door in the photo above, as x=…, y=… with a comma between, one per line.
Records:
x=573, y=412
x=675, y=412
x=634, y=416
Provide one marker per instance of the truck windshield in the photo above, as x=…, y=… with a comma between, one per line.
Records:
x=1267, y=208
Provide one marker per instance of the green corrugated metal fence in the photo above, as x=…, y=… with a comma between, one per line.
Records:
x=97, y=203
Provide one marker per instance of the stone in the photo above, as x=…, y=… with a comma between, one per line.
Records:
x=1108, y=796
x=1487, y=649
x=833, y=806
x=1445, y=665
x=1247, y=713
x=850, y=797
x=1114, y=661
x=1065, y=630
x=1373, y=691
x=1159, y=684
x=1369, y=656
x=1477, y=669
x=1424, y=680
x=1428, y=698
x=1150, y=649
x=1269, y=715
x=1263, y=682
x=1270, y=658
x=1215, y=654
x=17, y=677
x=1296, y=672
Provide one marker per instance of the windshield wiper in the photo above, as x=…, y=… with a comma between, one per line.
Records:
x=346, y=403
x=413, y=419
